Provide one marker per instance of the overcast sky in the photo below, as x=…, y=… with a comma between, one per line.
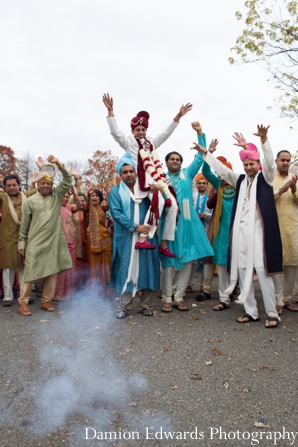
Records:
x=59, y=57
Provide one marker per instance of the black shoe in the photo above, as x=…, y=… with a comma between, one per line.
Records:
x=203, y=296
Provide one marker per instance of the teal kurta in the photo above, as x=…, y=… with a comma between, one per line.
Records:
x=190, y=242
x=221, y=240
x=41, y=233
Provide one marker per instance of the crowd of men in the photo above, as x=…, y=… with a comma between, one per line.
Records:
x=207, y=217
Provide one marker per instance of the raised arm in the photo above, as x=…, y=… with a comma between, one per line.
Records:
x=269, y=167
x=118, y=136
x=77, y=205
x=222, y=171
x=65, y=183
x=167, y=132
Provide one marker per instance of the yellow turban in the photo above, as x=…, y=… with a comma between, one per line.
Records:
x=45, y=176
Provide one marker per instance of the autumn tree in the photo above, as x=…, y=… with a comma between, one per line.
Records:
x=101, y=169
x=7, y=159
x=270, y=38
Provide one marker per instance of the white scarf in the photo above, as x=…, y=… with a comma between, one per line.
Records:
x=12, y=208
x=133, y=268
x=235, y=240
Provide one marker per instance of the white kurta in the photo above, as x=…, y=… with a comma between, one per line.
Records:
x=232, y=177
x=130, y=145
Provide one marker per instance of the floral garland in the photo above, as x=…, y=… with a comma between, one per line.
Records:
x=156, y=173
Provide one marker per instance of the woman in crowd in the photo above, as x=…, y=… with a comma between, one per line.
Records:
x=99, y=245
x=80, y=226
x=66, y=279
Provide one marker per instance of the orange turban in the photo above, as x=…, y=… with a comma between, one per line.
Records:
x=225, y=162
x=200, y=176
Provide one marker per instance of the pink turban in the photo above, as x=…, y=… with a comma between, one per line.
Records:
x=142, y=119
x=251, y=153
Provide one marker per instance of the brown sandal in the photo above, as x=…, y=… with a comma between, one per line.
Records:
x=47, y=306
x=24, y=310
x=167, y=308
x=179, y=305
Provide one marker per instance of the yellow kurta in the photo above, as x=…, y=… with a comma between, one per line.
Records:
x=41, y=234
x=287, y=211
x=9, y=231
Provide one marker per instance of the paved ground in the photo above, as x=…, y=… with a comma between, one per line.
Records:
x=146, y=377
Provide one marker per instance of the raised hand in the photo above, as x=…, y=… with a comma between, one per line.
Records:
x=213, y=146
x=185, y=108
x=199, y=148
x=262, y=133
x=52, y=159
x=73, y=171
x=40, y=162
x=241, y=141
x=183, y=111
x=197, y=127
x=108, y=101
x=90, y=190
x=34, y=177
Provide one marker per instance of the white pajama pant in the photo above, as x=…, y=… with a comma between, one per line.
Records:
x=8, y=276
x=181, y=278
x=223, y=283
x=284, y=285
x=268, y=292
x=170, y=219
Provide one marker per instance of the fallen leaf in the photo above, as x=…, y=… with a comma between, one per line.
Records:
x=225, y=384
x=246, y=390
x=253, y=369
x=158, y=333
x=193, y=317
x=167, y=349
x=209, y=341
x=189, y=325
x=238, y=329
x=217, y=351
x=276, y=353
x=132, y=404
x=289, y=330
x=195, y=376
x=174, y=387
x=175, y=330
x=292, y=339
x=202, y=311
x=43, y=321
x=133, y=324
x=261, y=425
x=208, y=363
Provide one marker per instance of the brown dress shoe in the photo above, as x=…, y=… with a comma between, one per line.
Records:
x=47, y=306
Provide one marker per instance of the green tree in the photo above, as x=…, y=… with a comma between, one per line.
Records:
x=270, y=38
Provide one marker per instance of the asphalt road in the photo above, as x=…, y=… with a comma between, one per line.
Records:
x=197, y=376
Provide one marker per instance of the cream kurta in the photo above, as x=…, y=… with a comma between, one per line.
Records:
x=9, y=231
x=41, y=234
x=231, y=178
x=287, y=211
